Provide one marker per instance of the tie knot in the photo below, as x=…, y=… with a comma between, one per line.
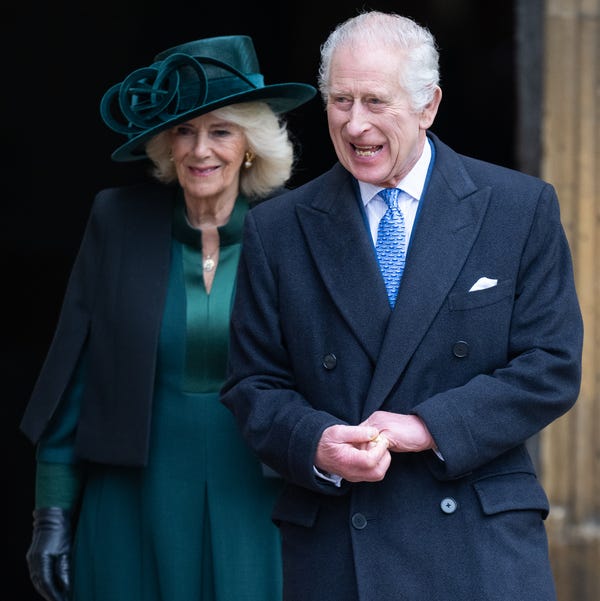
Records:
x=390, y=195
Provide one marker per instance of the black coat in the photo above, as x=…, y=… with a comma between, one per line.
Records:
x=119, y=277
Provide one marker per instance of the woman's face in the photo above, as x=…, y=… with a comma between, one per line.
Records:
x=208, y=153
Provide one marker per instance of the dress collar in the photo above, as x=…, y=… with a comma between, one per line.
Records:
x=229, y=233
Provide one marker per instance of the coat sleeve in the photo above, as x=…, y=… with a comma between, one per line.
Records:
x=496, y=411
x=260, y=389
x=70, y=333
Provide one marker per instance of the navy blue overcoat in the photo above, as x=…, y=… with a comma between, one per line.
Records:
x=314, y=343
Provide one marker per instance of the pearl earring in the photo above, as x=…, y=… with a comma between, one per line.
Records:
x=249, y=156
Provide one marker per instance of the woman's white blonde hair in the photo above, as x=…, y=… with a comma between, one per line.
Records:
x=268, y=140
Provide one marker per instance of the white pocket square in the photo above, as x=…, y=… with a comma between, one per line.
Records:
x=482, y=284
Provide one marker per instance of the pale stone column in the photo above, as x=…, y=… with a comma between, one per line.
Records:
x=570, y=448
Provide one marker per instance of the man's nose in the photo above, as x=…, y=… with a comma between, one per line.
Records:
x=358, y=121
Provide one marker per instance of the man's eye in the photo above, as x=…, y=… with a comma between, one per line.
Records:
x=341, y=101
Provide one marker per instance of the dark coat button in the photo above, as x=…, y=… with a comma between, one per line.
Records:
x=460, y=349
x=448, y=505
x=329, y=361
x=359, y=521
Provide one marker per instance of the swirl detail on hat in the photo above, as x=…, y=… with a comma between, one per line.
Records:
x=187, y=81
x=154, y=95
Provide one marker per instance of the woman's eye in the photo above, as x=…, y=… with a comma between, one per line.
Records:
x=182, y=130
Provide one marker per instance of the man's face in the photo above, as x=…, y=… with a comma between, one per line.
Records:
x=377, y=136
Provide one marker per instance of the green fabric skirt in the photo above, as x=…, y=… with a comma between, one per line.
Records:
x=194, y=525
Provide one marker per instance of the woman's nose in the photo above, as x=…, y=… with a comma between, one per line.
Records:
x=201, y=147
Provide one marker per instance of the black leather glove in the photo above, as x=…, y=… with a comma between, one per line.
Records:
x=48, y=556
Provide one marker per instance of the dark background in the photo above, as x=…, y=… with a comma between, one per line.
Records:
x=58, y=60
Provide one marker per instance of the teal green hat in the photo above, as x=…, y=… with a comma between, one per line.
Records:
x=187, y=81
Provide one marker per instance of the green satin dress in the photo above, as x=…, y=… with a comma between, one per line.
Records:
x=194, y=525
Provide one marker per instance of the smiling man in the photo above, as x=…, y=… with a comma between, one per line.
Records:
x=402, y=325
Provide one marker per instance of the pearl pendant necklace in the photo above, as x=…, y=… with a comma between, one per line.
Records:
x=208, y=263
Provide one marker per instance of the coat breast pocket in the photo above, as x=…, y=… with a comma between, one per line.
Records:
x=462, y=301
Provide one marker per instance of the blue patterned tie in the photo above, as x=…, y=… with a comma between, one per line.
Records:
x=390, y=243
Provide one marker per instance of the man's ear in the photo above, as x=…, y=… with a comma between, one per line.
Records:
x=430, y=111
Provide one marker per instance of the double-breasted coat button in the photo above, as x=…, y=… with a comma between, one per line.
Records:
x=359, y=521
x=460, y=349
x=448, y=505
x=329, y=361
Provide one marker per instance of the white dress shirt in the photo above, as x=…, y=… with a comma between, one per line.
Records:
x=412, y=189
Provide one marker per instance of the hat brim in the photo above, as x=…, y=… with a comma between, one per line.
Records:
x=280, y=97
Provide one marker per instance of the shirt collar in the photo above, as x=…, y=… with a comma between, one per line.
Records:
x=413, y=183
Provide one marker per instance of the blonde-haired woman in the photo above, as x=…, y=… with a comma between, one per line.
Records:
x=145, y=490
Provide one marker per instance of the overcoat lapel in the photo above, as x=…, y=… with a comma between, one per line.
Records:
x=449, y=222
x=343, y=252
x=337, y=238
